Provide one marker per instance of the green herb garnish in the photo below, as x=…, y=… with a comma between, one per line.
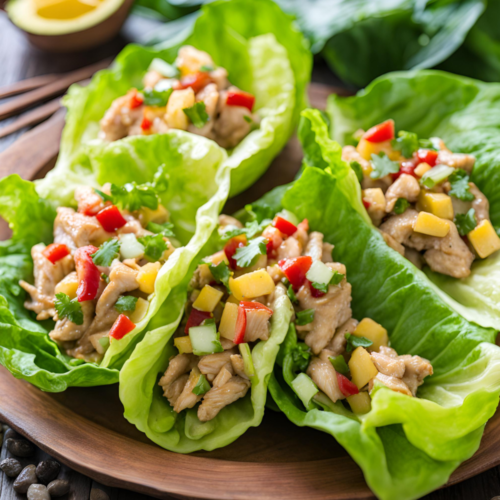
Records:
x=221, y=273
x=335, y=280
x=358, y=170
x=165, y=229
x=126, y=303
x=67, y=308
x=401, y=205
x=158, y=98
x=301, y=355
x=407, y=143
x=154, y=246
x=291, y=295
x=202, y=386
x=354, y=341
x=383, y=166
x=133, y=196
x=466, y=222
x=107, y=253
x=247, y=256
x=197, y=114
x=305, y=317
x=339, y=364
x=460, y=188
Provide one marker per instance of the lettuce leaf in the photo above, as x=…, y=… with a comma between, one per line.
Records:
x=264, y=54
x=465, y=113
x=446, y=421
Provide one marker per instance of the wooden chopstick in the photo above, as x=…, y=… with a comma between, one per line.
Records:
x=55, y=88
x=25, y=85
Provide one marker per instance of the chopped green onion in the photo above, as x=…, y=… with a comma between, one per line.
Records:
x=339, y=364
x=305, y=317
x=436, y=175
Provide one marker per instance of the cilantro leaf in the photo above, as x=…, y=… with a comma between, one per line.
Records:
x=67, y=308
x=305, y=317
x=460, y=189
x=202, y=386
x=339, y=364
x=154, y=97
x=301, y=355
x=407, y=143
x=260, y=211
x=251, y=229
x=353, y=341
x=335, y=280
x=206, y=69
x=358, y=170
x=427, y=144
x=401, y=205
x=154, y=246
x=165, y=229
x=291, y=295
x=221, y=273
x=383, y=166
x=197, y=114
x=133, y=196
x=107, y=253
x=126, y=303
x=105, y=277
x=247, y=256
x=247, y=119
x=105, y=197
x=466, y=222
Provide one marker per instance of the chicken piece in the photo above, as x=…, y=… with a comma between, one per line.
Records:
x=257, y=325
x=151, y=78
x=481, y=205
x=392, y=367
x=66, y=330
x=324, y=376
x=211, y=364
x=238, y=366
x=314, y=246
x=289, y=249
x=330, y=311
x=301, y=235
x=174, y=390
x=406, y=186
x=338, y=342
x=276, y=273
x=400, y=227
x=88, y=200
x=47, y=276
x=226, y=372
x=226, y=343
x=219, y=76
x=388, y=351
x=219, y=397
x=327, y=252
x=133, y=226
x=417, y=369
x=393, y=383
x=414, y=257
x=210, y=96
x=376, y=204
x=227, y=220
x=187, y=398
x=190, y=60
x=119, y=118
x=456, y=160
x=392, y=243
x=178, y=365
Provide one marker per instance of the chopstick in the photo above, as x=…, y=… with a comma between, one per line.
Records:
x=25, y=85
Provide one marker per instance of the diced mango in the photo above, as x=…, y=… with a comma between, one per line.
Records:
x=361, y=367
x=68, y=285
x=438, y=204
x=430, y=224
x=484, y=239
x=140, y=311
x=219, y=257
x=360, y=403
x=207, y=300
x=146, y=277
x=375, y=197
x=190, y=60
x=160, y=215
x=233, y=300
x=372, y=331
x=227, y=326
x=252, y=285
x=422, y=168
x=178, y=101
x=366, y=149
x=183, y=344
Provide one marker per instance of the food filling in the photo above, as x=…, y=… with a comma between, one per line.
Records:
x=193, y=94
x=94, y=280
x=419, y=194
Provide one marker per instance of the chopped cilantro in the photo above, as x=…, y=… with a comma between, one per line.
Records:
x=105, y=197
x=260, y=211
x=466, y=222
x=202, y=386
x=67, y=308
x=383, y=166
x=133, y=196
x=291, y=295
x=247, y=119
x=197, y=114
x=305, y=317
x=247, y=256
x=323, y=287
x=126, y=303
x=156, y=97
x=339, y=364
x=301, y=355
x=105, y=277
x=251, y=229
x=221, y=273
x=407, y=143
x=401, y=205
x=353, y=341
x=358, y=170
x=460, y=189
x=206, y=69
x=165, y=229
x=154, y=246
x=107, y=253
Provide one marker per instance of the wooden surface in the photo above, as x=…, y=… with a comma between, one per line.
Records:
x=92, y=417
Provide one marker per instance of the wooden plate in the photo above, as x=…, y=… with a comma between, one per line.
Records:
x=85, y=428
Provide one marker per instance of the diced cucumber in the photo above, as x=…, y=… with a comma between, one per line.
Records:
x=319, y=273
x=164, y=68
x=205, y=339
x=246, y=354
x=436, y=175
x=305, y=389
x=130, y=248
x=289, y=216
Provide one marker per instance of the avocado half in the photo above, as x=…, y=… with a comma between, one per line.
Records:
x=68, y=25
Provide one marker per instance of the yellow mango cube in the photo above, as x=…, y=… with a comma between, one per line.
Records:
x=428, y=223
x=484, y=239
x=68, y=285
x=372, y=331
x=438, y=204
x=146, y=277
x=360, y=403
x=227, y=326
x=183, y=344
x=140, y=311
x=366, y=149
x=232, y=300
x=361, y=367
x=178, y=101
x=208, y=299
x=251, y=285
x=422, y=168
x=219, y=257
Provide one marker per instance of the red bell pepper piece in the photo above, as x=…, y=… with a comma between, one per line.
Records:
x=146, y=124
x=407, y=167
x=121, y=327
x=247, y=305
x=379, y=133
x=196, y=81
x=231, y=246
x=241, y=325
x=55, y=252
x=240, y=98
x=427, y=156
x=136, y=99
x=315, y=292
x=196, y=318
x=88, y=273
x=366, y=203
x=295, y=269
x=110, y=218
x=285, y=226
x=347, y=388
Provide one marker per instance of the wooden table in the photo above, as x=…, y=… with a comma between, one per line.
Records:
x=18, y=60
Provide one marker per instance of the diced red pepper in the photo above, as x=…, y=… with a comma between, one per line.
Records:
x=196, y=318
x=55, y=252
x=274, y=239
x=240, y=98
x=196, y=81
x=315, y=292
x=88, y=273
x=427, y=156
x=89, y=202
x=231, y=246
x=146, y=124
x=248, y=305
x=121, y=327
x=379, y=133
x=295, y=269
x=241, y=325
x=347, y=388
x=407, y=167
x=366, y=203
x=136, y=99
x=285, y=226
x=110, y=218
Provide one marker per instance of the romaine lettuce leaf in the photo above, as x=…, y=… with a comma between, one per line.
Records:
x=465, y=113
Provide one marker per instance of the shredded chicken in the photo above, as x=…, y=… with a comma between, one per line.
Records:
x=257, y=326
x=66, y=330
x=393, y=383
x=417, y=369
x=481, y=205
x=392, y=243
x=456, y=160
x=226, y=372
x=187, y=398
x=388, y=365
x=406, y=186
x=289, y=249
x=211, y=364
x=238, y=365
x=119, y=118
x=324, y=376
x=178, y=365
x=338, y=342
x=174, y=390
x=314, y=246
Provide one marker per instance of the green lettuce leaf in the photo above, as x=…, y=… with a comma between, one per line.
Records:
x=465, y=113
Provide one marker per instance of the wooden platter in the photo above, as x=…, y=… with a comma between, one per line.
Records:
x=85, y=429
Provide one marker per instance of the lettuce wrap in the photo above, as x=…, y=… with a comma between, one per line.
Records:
x=405, y=446
x=25, y=347
x=465, y=114
x=261, y=49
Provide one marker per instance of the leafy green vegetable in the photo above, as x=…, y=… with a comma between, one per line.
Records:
x=154, y=97
x=154, y=246
x=132, y=196
x=406, y=142
x=202, y=386
x=354, y=341
x=301, y=355
x=126, y=303
x=339, y=364
x=466, y=222
x=401, y=205
x=67, y=308
x=460, y=189
x=357, y=170
x=221, y=273
x=291, y=295
x=383, y=166
x=107, y=253
x=197, y=113
x=165, y=228
x=250, y=230
x=305, y=317
x=247, y=256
